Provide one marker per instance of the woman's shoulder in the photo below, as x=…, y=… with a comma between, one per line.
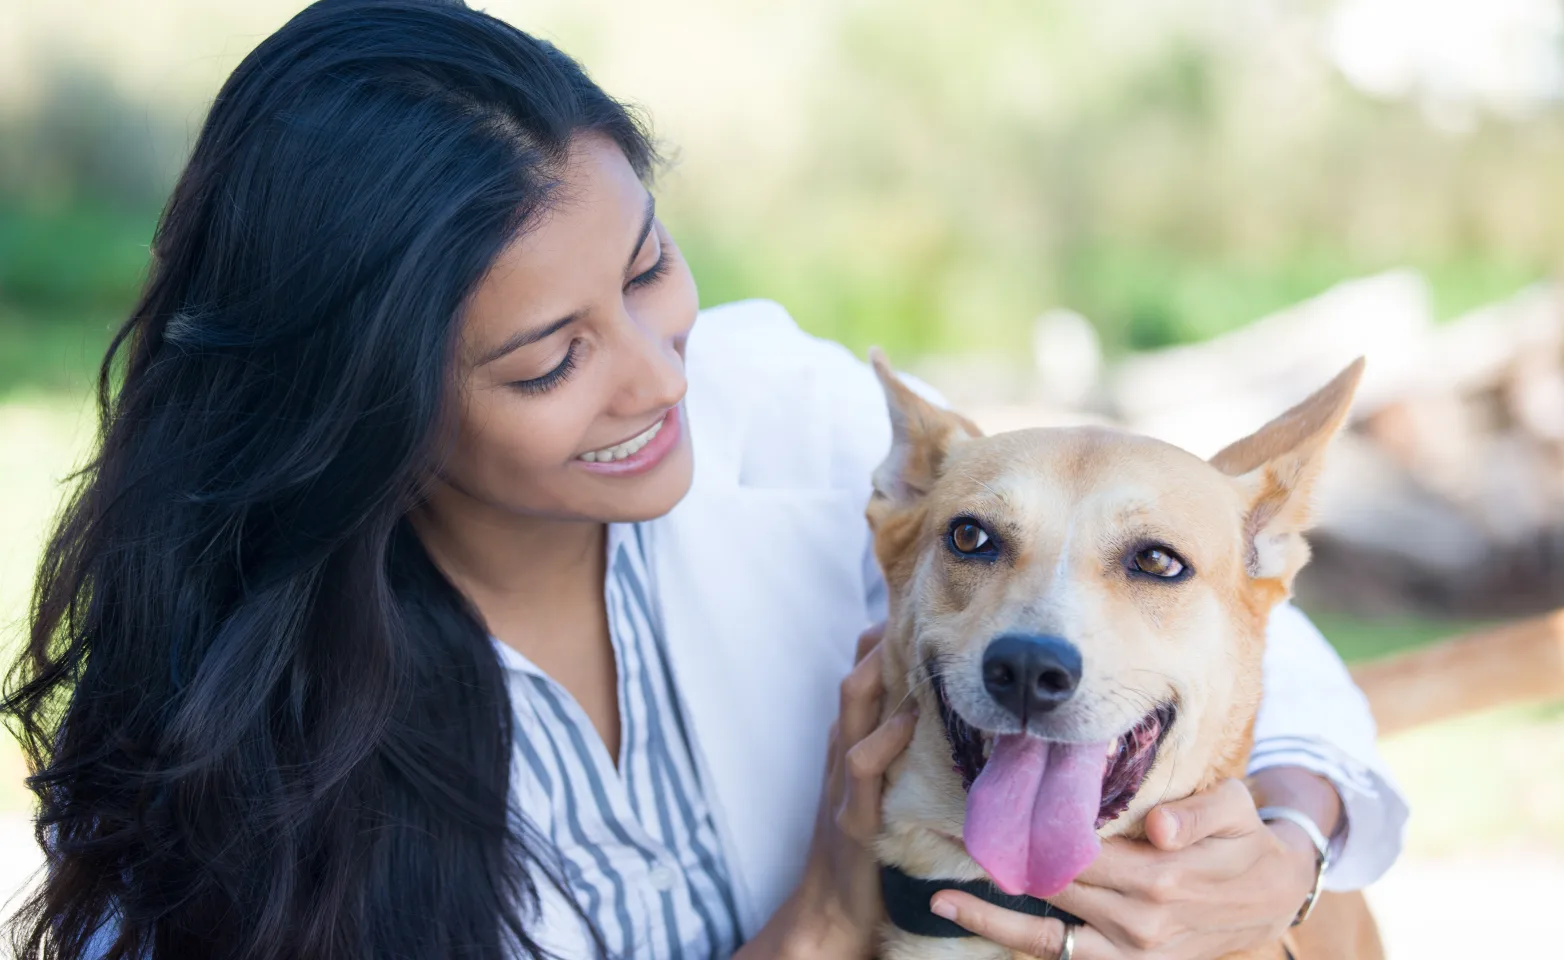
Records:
x=760, y=336
x=805, y=407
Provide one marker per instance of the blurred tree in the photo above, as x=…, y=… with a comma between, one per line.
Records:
x=926, y=176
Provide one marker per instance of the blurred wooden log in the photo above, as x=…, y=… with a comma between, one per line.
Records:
x=1515, y=663
x=1205, y=395
x=1446, y=494
x=1474, y=351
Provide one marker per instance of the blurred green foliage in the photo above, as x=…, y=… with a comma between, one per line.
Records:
x=906, y=174
x=67, y=277
x=83, y=173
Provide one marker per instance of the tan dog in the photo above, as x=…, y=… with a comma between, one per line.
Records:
x=1080, y=614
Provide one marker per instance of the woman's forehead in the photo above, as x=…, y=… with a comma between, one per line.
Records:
x=574, y=252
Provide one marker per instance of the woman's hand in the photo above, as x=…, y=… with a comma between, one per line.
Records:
x=834, y=912
x=1209, y=880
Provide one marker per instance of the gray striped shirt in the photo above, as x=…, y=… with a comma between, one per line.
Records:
x=636, y=844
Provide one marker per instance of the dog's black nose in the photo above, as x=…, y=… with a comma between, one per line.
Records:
x=1028, y=674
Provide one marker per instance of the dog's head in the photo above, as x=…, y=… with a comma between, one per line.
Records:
x=1081, y=615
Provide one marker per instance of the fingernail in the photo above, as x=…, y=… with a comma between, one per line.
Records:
x=944, y=908
x=1172, y=820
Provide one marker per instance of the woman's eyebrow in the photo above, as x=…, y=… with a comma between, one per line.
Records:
x=525, y=337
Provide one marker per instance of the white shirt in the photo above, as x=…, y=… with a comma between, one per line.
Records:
x=631, y=837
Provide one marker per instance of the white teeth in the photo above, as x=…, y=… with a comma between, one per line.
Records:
x=623, y=450
x=1113, y=748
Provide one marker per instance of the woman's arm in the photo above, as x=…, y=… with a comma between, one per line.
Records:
x=1314, y=717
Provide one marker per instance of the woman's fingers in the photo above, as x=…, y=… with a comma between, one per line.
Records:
x=860, y=702
x=867, y=762
x=868, y=640
x=1125, y=920
x=1131, y=872
x=1122, y=866
x=834, y=761
x=1225, y=810
x=1033, y=936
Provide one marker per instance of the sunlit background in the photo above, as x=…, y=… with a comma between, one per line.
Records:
x=1179, y=215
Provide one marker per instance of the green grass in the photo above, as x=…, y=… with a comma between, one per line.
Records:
x=1357, y=639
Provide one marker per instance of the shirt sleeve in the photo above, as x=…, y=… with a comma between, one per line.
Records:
x=1313, y=716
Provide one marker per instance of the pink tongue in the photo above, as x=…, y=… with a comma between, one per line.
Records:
x=1032, y=814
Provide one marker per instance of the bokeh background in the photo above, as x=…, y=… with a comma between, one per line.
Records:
x=1178, y=215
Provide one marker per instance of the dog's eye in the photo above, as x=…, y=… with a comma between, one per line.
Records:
x=970, y=539
x=1159, y=563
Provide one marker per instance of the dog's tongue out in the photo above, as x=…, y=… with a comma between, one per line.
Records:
x=1032, y=813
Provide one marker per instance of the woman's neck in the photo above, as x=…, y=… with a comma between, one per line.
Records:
x=538, y=585
x=531, y=578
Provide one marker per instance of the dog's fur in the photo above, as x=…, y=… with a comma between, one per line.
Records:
x=1070, y=509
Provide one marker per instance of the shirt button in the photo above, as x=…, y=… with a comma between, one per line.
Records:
x=663, y=877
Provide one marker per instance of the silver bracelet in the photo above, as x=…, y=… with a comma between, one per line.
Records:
x=1321, y=849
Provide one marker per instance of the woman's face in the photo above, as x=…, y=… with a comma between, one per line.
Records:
x=572, y=358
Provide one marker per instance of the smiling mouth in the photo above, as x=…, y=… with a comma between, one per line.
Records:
x=1130, y=756
x=627, y=448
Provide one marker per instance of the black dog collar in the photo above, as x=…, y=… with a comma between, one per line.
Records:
x=907, y=903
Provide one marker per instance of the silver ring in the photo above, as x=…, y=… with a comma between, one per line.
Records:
x=1068, y=949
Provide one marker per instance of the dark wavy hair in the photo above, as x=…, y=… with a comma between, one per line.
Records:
x=260, y=722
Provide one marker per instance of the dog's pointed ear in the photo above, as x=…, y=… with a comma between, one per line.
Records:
x=1276, y=468
x=922, y=434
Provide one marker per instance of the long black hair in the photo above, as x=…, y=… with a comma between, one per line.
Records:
x=260, y=722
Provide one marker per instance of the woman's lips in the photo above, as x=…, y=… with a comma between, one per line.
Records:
x=669, y=432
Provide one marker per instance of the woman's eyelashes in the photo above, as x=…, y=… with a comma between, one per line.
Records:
x=554, y=377
x=567, y=366
x=652, y=274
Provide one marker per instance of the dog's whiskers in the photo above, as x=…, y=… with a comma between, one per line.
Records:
x=913, y=683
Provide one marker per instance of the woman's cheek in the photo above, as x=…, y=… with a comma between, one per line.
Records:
x=539, y=439
x=683, y=298
x=510, y=440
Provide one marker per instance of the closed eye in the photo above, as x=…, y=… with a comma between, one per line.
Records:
x=554, y=377
x=652, y=274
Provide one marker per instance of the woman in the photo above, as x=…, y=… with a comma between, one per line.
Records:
x=372, y=630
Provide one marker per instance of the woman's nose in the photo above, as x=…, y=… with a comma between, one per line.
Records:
x=654, y=373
